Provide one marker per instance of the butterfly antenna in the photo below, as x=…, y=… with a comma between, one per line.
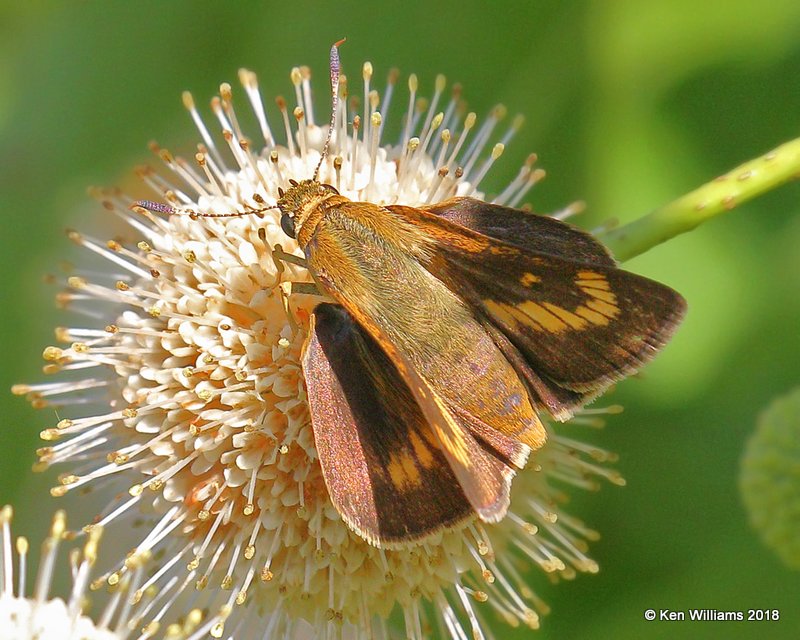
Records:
x=334, y=103
x=160, y=207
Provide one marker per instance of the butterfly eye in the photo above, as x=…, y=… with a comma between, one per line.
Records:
x=287, y=224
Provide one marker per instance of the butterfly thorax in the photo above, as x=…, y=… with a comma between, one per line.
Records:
x=308, y=203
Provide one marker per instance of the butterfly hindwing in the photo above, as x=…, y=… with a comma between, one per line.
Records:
x=558, y=401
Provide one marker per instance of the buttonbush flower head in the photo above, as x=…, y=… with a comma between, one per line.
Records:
x=33, y=614
x=184, y=397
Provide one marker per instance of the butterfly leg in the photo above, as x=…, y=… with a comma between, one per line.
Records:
x=288, y=287
x=281, y=258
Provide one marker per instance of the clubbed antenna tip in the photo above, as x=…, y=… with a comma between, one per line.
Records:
x=155, y=207
x=335, y=68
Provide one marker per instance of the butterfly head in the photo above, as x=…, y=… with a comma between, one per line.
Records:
x=298, y=203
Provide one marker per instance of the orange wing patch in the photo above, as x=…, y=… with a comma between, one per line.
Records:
x=422, y=449
x=403, y=471
x=599, y=309
x=602, y=306
x=547, y=316
x=406, y=468
x=574, y=321
x=528, y=279
x=544, y=316
x=595, y=317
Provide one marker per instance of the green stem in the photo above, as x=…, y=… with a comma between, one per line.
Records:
x=718, y=196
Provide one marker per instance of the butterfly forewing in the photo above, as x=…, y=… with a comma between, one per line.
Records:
x=397, y=463
x=579, y=326
x=382, y=462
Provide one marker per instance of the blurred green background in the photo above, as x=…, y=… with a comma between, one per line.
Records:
x=628, y=105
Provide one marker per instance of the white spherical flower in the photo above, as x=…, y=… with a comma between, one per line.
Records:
x=38, y=615
x=194, y=349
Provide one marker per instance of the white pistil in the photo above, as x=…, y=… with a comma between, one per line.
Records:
x=419, y=108
x=450, y=115
x=475, y=149
x=188, y=102
x=475, y=627
x=535, y=176
x=236, y=150
x=413, y=83
x=249, y=81
x=445, y=142
x=407, y=165
x=517, y=182
x=516, y=125
x=441, y=82
x=308, y=105
x=44, y=577
x=469, y=122
x=287, y=127
x=165, y=568
x=354, y=152
x=497, y=151
x=274, y=159
x=572, y=209
x=429, y=133
x=122, y=508
x=391, y=83
x=375, y=128
x=213, y=169
x=22, y=552
x=301, y=131
x=202, y=162
x=7, y=566
x=341, y=137
x=227, y=129
x=62, y=388
x=366, y=75
x=297, y=80
x=433, y=191
x=337, y=167
x=81, y=575
x=374, y=102
x=226, y=95
x=192, y=178
x=244, y=145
